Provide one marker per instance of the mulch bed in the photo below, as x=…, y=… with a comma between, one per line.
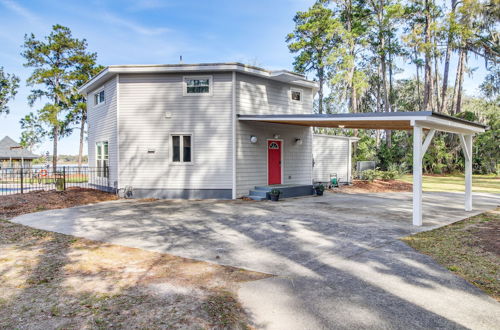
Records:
x=361, y=186
x=14, y=205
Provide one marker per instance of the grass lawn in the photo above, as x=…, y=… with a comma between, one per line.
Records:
x=480, y=183
x=470, y=248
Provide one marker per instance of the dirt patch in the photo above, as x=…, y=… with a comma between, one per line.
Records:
x=50, y=280
x=360, y=186
x=14, y=205
x=470, y=248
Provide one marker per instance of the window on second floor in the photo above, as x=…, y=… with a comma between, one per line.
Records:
x=99, y=98
x=198, y=85
x=296, y=95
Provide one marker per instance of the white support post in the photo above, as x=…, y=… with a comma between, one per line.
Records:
x=427, y=141
x=417, y=176
x=468, y=172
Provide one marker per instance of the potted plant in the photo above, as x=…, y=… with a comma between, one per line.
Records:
x=319, y=189
x=275, y=194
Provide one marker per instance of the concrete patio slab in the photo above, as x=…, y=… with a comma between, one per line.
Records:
x=338, y=258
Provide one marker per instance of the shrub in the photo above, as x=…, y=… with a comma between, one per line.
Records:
x=275, y=191
x=320, y=187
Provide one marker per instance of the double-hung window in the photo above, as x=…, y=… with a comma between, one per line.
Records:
x=197, y=85
x=99, y=98
x=182, y=148
x=102, y=159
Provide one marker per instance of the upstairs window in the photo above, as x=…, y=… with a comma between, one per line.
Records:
x=181, y=148
x=296, y=95
x=198, y=85
x=99, y=98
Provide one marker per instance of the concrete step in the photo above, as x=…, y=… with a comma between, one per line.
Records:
x=257, y=198
x=261, y=193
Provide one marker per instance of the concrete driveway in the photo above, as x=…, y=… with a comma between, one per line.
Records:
x=338, y=260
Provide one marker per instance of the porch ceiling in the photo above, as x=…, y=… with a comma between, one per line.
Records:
x=385, y=120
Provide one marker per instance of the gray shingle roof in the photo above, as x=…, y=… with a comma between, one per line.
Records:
x=7, y=152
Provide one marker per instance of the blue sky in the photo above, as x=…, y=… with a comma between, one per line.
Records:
x=155, y=31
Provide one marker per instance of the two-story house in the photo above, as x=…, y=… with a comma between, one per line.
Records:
x=173, y=131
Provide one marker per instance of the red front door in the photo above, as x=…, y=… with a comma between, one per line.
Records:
x=274, y=161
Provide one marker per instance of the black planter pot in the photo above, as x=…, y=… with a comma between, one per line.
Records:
x=274, y=198
x=319, y=192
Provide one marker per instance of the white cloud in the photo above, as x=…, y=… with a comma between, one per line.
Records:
x=131, y=25
x=148, y=5
x=21, y=11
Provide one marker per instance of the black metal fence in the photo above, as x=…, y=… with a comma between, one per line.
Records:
x=24, y=180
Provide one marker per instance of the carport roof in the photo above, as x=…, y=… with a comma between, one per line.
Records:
x=375, y=120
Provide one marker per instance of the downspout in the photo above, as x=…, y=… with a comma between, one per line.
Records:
x=117, y=133
x=233, y=127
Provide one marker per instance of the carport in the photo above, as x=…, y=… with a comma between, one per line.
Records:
x=419, y=122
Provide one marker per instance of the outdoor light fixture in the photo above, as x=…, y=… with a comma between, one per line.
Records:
x=298, y=141
x=276, y=136
x=253, y=139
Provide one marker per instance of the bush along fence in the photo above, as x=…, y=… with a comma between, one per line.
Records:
x=24, y=180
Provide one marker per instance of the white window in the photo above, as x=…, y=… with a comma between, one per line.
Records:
x=102, y=159
x=296, y=95
x=182, y=148
x=99, y=98
x=198, y=85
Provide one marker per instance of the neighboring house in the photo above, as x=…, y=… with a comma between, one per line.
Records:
x=12, y=154
x=172, y=131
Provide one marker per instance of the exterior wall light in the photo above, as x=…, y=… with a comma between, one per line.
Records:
x=298, y=141
x=276, y=136
x=253, y=139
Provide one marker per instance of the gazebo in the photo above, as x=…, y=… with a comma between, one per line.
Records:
x=12, y=154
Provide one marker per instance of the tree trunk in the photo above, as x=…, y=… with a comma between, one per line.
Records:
x=461, y=81
x=446, y=71
x=418, y=81
x=55, y=132
x=428, y=59
x=82, y=136
x=458, y=78
x=436, y=84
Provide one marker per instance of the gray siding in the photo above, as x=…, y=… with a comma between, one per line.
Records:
x=260, y=96
x=255, y=95
x=144, y=102
x=102, y=126
x=251, y=169
x=331, y=155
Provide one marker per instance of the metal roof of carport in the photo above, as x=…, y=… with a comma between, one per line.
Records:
x=375, y=120
x=417, y=121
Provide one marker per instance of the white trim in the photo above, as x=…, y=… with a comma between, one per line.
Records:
x=285, y=76
x=170, y=147
x=417, y=176
x=468, y=150
x=340, y=137
x=117, y=131
x=210, y=85
x=293, y=89
x=465, y=147
x=427, y=141
x=282, y=160
x=233, y=132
